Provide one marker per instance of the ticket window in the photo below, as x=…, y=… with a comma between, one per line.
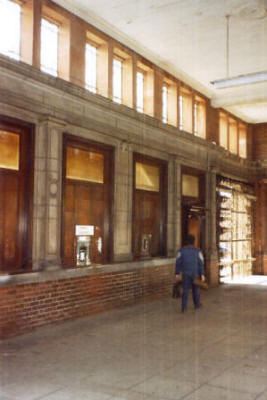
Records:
x=87, y=204
x=149, y=222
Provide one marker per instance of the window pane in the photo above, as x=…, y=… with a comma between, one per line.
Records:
x=117, y=81
x=164, y=104
x=9, y=150
x=146, y=177
x=49, y=47
x=85, y=165
x=190, y=186
x=195, y=119
x=187, y=114
x=243, y=142
x=180, y=112
x=233, y=137
x=223, y=132
x=140, y=92
x=201, y=119
x=90, y=69
x=10, y=28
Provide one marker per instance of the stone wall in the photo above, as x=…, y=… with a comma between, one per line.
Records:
x=55, y=107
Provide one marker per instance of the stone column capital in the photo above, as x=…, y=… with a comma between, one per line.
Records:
x=213, y=170
x=124, y=145
x=52, y=122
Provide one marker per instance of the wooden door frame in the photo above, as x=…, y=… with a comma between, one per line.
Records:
x=26, y=159
x=85, y=144
x=163, y=193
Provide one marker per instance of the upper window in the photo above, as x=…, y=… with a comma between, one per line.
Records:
x=186, y=110
x=223, y=131
x=242, y=141
x=233, y=135
x=91, y=67
x=181, y=112
x=140, y=91
x=84, y=165
x=145, y=87
x=49, y=47
x=9, y=150
x=190, y=186
x=147, y=177
x=195, y=118
x=165, y=104
x=117, y=80
x=10, y=28
x=199, y=117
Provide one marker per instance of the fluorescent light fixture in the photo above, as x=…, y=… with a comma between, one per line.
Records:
x=240, y=80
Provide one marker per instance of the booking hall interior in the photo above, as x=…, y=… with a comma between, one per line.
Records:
x=124, y=126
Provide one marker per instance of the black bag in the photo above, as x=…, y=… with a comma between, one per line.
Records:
x=176, y=290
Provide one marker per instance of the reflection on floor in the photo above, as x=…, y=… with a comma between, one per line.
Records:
x=247, y=280
x=147, y=352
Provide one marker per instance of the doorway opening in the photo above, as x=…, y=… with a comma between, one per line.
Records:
x=193, y=206
x=234, y=229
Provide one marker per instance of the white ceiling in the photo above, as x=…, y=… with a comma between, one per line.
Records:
x=188, y=38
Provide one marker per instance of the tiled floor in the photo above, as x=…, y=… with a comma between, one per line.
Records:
x=147, y=352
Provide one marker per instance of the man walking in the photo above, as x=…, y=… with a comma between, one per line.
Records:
x=189, y=266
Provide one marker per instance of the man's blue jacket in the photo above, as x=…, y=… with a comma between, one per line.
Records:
x=190, y=261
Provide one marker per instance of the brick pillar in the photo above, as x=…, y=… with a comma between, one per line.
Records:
x=212, y=266
x=47, y=196
x=123, y=202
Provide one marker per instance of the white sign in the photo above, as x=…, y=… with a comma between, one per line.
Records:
x=84, y=230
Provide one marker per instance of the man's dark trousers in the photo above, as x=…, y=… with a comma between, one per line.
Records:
x=187, y=285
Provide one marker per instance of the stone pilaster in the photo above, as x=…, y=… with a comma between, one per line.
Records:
x=47, y=195
x=171, y=207
x=177, y=198
x=212, y=266
x=123, y=202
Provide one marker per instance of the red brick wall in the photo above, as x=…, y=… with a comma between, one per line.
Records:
x=27, y=306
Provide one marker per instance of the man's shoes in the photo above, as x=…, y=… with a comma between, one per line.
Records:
x=199, y=306
x=183, y=310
